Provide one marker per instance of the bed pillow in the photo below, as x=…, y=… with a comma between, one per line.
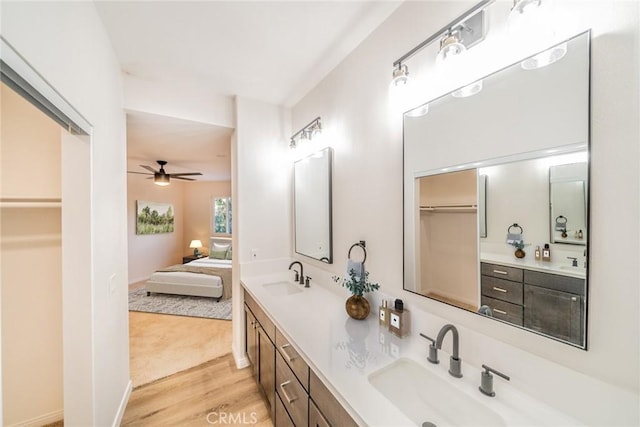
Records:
x=218, y=254
x=229, y=254
x=218, y=251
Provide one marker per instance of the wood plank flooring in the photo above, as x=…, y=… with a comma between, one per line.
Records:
x=214, y=393
x=184, y=375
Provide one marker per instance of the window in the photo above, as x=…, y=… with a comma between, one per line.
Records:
x=222, y=215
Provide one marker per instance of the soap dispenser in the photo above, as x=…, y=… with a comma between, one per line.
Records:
x=383, y=314
x=399, y=323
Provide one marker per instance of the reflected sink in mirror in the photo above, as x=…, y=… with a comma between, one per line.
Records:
x=282, y=288
x=426, y=398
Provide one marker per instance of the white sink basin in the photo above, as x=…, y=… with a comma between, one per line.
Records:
x=426, y=398
x=282, y=288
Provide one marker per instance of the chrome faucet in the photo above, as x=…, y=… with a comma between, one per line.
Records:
x=455, y=363
x=299, y=276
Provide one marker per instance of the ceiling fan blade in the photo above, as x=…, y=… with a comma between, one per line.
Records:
x=140, y=173
x=149, y=168
x=184, y=179
x=185, y=174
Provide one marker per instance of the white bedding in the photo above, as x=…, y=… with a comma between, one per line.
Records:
x=185, y=283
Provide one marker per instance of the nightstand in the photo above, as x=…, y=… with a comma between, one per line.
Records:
x=186, y=259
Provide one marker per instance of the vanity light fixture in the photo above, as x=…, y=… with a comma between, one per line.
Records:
x=307, y=133
x=400, y=75
x=456, y=37
x=524, y=6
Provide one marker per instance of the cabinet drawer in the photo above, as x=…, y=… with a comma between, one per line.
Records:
x=281, y=416
x=503, y=310
x=572, y=285
x=294, y=397
x=261, y=317
x=501, y=271
x=328, y=405
x=315, y=416
x=504, y=290
x=293, y=359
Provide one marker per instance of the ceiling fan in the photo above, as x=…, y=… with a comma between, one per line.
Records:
x=161, y=177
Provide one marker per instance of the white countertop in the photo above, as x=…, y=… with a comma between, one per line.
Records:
x=560, y=268
x=344, y=352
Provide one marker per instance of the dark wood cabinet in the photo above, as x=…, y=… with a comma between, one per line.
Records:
x=251, y=340
x=266, y=367
x=554, y=305
x=551, y=304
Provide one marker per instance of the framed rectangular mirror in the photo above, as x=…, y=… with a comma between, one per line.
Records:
x=313, y=206
x=457, y=216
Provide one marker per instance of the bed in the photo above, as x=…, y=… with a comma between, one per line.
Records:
x=204, y=277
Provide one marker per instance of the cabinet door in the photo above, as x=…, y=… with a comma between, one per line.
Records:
x=554, y=313
x=282, y=418
x=315, y=417
x=250, y=345
x=267, y=367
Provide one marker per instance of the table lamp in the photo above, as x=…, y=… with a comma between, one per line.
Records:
x=195, y=244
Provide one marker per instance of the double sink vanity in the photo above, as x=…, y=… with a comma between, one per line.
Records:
x=316, y=366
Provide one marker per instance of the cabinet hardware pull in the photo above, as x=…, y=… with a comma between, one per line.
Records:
x=499, y=311
x=500, y=289
x=282, y=349
x=574, y=298
x=286, y=396
x=500, y=272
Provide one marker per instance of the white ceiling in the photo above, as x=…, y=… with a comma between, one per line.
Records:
x=187, y=146
x=272, y=51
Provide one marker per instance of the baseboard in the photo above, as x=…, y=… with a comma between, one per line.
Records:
x=242, y=361
x=41, y=420
x=123, y=404
x=139, y=279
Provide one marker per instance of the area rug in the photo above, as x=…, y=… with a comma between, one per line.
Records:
x=179, y=305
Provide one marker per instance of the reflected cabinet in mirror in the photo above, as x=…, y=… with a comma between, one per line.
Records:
x=504, y=232
x=312, y=206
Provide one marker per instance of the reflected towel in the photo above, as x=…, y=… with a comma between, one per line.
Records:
x=356, y=266
x=514, y=237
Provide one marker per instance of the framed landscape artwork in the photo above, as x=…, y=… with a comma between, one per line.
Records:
x=153, y=217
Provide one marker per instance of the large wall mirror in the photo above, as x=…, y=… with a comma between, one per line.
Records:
x=504, y=232
x=312, y=206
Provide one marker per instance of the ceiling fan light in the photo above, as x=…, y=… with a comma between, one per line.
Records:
x=161, y=179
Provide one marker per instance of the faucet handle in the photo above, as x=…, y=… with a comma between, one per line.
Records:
x=306, y=282
x=433, y=350
x=574, y=262
x=486, y=380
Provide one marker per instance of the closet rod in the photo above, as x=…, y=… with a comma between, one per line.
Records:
x=30, y=203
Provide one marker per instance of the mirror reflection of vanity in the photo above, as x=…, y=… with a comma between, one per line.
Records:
x=312, y=206
x=457, y=218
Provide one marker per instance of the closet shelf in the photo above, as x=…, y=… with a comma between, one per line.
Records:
x=29, y=203
x=449, y=208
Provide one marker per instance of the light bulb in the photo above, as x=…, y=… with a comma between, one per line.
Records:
x=450, y=46
x=545, y=58
x=468, y=90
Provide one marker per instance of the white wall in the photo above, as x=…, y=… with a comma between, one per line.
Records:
x=262, y=176
x=66, y=44
x=353, y=101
